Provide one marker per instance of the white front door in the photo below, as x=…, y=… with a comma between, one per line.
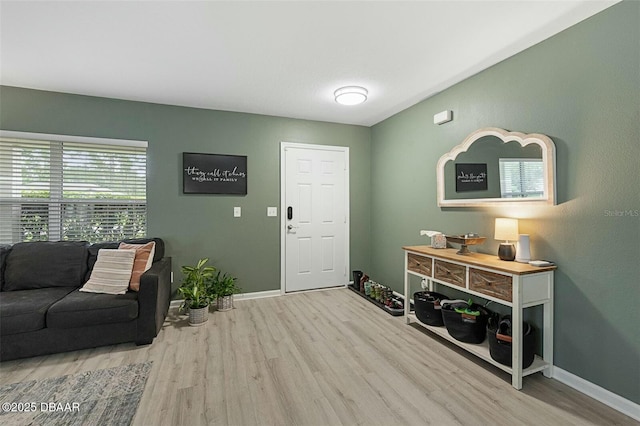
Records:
x=315, y=216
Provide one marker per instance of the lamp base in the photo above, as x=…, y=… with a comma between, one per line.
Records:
x=507, y=251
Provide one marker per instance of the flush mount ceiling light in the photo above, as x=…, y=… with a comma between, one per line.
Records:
x=351, y=95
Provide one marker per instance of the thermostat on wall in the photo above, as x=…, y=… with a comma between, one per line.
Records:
x=442, y=117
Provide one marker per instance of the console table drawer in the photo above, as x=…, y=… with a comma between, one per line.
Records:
x=491, y=284
x=449, y=272
x=419, y=264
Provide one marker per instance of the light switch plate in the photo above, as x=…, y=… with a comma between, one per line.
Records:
x=237, y=212
x=272, y=211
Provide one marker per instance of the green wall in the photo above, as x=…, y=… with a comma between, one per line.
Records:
x=581, y=88
x=195, y=226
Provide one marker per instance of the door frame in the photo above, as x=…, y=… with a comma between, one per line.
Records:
x=283, y=208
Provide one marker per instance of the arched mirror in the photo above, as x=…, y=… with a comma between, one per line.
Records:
x=494, y=166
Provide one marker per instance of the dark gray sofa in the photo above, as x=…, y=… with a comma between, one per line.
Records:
x=42, y=310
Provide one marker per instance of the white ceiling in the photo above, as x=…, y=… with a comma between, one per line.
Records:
x=265, y=57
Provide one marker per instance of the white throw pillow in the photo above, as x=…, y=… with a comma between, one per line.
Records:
x=112, y=272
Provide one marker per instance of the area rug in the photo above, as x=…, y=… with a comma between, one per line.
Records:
x=101, y=397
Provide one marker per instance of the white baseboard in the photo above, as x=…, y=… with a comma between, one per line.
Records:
x=257, y=295
x=237, y=297
x=598, y=393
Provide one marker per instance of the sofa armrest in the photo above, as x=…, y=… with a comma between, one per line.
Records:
x=153, y=300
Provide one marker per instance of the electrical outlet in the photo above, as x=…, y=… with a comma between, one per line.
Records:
x=424, y=284
x=237, y=212
x=272, y=211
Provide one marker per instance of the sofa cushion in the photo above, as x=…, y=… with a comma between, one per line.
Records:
x=141, y=263
x=45, y=264
x=79, y=309
x=95, y=248
x=159, y=246
x=112, y=272
x=22, y=311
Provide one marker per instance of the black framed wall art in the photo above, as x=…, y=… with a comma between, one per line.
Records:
x=214, y=174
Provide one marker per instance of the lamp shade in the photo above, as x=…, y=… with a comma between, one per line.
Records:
x=506, y=229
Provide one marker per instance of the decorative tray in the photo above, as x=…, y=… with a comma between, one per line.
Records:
x=464, y=241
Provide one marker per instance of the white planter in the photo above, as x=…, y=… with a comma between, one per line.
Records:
x=225, y=303
x=198, y=316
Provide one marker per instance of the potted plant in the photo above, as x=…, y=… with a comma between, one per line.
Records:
x=224, y=286
x=195, y=291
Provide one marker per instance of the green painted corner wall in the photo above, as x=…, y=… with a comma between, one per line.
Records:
x=581, y=88
x=196, y=226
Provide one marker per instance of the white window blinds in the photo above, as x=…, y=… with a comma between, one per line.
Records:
x=56, y=187
x=521, y=177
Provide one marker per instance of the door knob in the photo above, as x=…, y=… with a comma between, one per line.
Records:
x=291, y=227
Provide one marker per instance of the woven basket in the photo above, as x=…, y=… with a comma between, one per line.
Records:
x=225, y=303
x=198, y=316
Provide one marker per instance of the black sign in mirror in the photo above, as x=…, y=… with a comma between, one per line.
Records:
x=471, y=177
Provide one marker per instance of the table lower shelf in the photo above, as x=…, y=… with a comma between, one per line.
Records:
x=480, y=350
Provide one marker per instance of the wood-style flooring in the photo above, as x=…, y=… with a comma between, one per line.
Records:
x=320, y=358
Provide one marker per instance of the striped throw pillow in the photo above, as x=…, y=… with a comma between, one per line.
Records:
x=111, y=273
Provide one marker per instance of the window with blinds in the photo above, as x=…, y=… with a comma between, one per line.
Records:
x=56, y=187
x=521, y=177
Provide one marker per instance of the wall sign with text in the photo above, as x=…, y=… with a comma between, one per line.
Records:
x=471, y=177
x=214, y=174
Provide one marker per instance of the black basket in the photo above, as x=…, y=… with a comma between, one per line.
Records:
x=427, y=307
x=463, y=327
x=499, y=332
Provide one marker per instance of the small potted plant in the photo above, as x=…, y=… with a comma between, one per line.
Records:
x=195, y=292
x=224, y=286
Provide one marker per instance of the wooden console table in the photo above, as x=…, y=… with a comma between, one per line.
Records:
x=513, y=284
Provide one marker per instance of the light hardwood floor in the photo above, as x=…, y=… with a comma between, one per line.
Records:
x=320, y=358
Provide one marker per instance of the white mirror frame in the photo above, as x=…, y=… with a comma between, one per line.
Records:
x=548, y=159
